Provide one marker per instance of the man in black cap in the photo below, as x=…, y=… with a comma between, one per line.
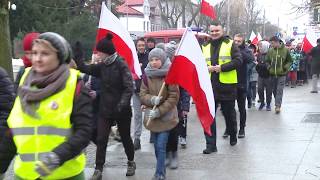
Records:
x=116, y=92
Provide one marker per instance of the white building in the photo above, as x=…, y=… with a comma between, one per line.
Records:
x=135, y=16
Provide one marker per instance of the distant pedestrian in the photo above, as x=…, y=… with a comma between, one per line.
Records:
x=151, y=43
x=26, y=58
x=296, y=57
x=136, y=103
x=50, y=119
x=264, y=79
x=116, y=91
x=252, y=77
x=242, y=77
x=279, y=61
x=164, y=117
x=315, y=66
x=302, y=72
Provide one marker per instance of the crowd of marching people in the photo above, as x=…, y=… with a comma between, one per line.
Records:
x=52, y=111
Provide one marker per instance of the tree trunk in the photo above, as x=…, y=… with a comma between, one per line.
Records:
x=5, y=50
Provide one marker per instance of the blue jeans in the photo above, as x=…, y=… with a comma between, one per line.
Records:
x=160, y=143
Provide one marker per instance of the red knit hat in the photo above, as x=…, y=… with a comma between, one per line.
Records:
x=27, y=40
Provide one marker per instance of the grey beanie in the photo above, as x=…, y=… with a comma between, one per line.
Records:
x=159, y=53
x=60, y=43
x=161, y=46
x=264, y=46
x=170, y=49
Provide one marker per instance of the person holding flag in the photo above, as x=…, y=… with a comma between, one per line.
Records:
x=116, y=91
x=223, y=57
x=160, y=105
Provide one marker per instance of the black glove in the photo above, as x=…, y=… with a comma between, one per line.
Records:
x=47, y=163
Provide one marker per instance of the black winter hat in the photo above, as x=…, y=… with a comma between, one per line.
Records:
x=106, y=45
x=60, y=43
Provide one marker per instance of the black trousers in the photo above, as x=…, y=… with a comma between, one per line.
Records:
x=241, y=101
x=101, y=140
x=264, y=84
x=229, y=114
x=182, y=126
x=172, y=144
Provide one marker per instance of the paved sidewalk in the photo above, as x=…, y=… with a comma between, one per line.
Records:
x=276, y=147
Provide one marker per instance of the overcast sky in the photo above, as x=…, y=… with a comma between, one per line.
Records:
x=282, y=9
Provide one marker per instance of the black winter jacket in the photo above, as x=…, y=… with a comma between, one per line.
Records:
x=116, y=87
x=242, y=71
x=143, y=60
x=81, y=125
x=315, y=62
x=224, y=92
x=6, y=95
x=262, y=67
x=184, y=100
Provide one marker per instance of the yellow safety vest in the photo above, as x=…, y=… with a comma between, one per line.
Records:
x=229, y=77
x=36, y=137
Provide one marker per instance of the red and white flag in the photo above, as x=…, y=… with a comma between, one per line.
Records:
x=207, y=8
x=259, y=37
x=253, y=38
x=121, y=39
x=189, y=70
x=309, y=41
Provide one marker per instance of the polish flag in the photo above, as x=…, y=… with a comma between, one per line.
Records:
x=309, y=41
x=259, y=37
x=207, y=8
x=121, y=39
x=253, y=38
x=189, y=70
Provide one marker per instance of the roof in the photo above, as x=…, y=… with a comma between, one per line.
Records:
x=133, y=2
x=124, y=9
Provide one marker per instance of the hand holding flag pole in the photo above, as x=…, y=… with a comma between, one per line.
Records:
x=155, y=106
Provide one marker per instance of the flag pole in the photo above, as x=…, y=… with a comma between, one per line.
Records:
x=155, y=106
x=164, y=83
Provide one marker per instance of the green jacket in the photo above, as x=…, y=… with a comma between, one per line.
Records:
x=279, y=61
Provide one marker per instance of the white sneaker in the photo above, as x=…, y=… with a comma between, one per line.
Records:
x=183, y=142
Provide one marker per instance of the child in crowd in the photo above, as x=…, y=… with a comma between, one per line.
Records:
x=164, y=117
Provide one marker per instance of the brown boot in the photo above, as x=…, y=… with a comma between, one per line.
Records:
x=277, y=109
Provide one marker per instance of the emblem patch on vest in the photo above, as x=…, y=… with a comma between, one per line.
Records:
x=54, y=105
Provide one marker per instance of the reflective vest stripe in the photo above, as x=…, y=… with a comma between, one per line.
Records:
x=31, y=156
x=224, y=57
x=23, y=131
x=27, y=157
x=41, y=130
x=54, y=131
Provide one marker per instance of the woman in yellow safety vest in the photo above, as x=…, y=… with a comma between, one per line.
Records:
x=50, y=120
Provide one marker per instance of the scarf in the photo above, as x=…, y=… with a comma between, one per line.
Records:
x=110, y=59
x=37, y=87
x=151, y=72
